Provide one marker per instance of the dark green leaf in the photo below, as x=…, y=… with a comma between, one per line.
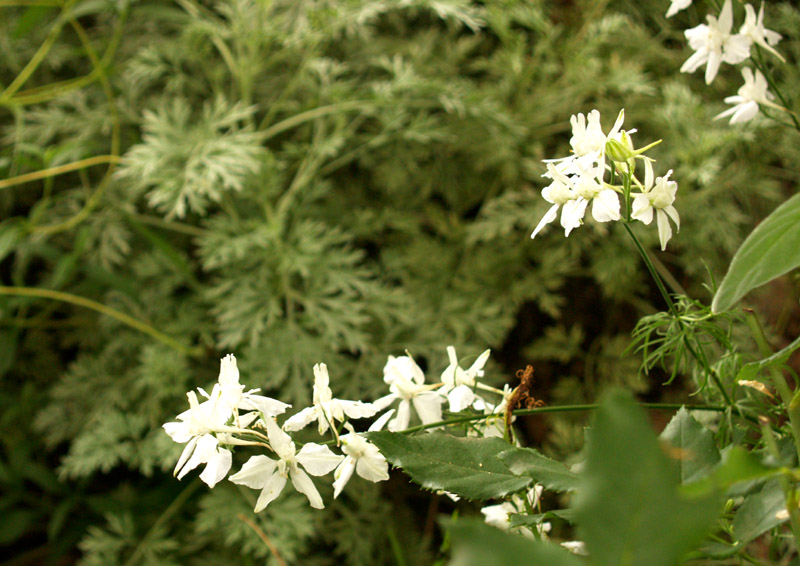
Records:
x=697, y=452
x=738, y=465
x=770, y=250
x=628, y=508
x=468, y=467
x=758, y=512
x=552, y=475
x=477, y=544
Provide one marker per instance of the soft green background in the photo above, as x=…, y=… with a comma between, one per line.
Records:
x=332, y=181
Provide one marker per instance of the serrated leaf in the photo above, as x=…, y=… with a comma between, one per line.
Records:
x=628, y=508
x=737, y=465
x=554, y=476
x=759, y=511
x=696, y=450
x=477, y=544
x=770, y=250
x=467, y=467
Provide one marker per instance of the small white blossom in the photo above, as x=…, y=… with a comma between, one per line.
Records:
x=713, y=44
x=270, y=476
x=232, y=393
x=459, y=384
x=752, y=93
x=204, y=426
x=657, y=196
x=576, y=547
x=560, y=194
x=753, y=28
x=362, y=457
x=326, y=409
x=676, y=6
x=196, y=427
x=499, y=515
x=407, y=384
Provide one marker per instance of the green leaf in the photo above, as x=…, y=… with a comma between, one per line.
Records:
x=758, y=512
x=751, y=370
x=628, y=508
x=738, y=465
x=554, y=476
x=468, y=467
x=770, y=250
x=477, y=544
x=697, y=452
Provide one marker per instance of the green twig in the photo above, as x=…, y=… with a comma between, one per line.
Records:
x=101, y=308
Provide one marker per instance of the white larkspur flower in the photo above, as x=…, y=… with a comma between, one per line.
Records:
x=362, y=457
x=233, y=395
x=196, y=427
x=407, y=384
x=657, y=196
x=560, y=194
x=753, y=28
x=750, y=95
x=576, y=547
x=676, y=6
x=499, y=515
x=459, y=384
x=270, y=476
x=204, y=426
x=713, y=44
x=326, y=409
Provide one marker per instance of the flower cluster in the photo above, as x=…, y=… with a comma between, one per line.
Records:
x=714, y=44
x=230, y=417
x=581, y=178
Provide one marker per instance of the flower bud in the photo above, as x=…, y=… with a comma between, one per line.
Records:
x=619, y=150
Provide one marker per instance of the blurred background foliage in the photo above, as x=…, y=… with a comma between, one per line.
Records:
x=302, y=181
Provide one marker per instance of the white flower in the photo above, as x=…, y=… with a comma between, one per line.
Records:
x=714, y=44
x=500, y=515
x=676, y=6
x=577, y=180
x=560, y=193
x=231, y=392
x=752, y=93
x=407, y=383
x=658, y=196
x=576, y=547
x=459, y=384
x=204, y=426
x=753, y=28
x=326, y=409
x=362, y=457
x=268, y=475
x=196, y=427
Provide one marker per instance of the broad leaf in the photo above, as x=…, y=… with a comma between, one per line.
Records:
x=628, y=508
x=738, y=465
x=477, y=544
x=759, y=511
x=696, y=450
x=468, y=467
x=751, y=370
x=554, y=476
x=770, y=250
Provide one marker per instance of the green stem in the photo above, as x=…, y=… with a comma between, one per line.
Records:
x=38, y=57
x=562, y=409
x=173, y=508
x=699, y=356
x=778, y=378
x=60, y=170
x=101, y=308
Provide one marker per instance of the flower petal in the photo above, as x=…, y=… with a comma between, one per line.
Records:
x=304, y=485
x=318, y=460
